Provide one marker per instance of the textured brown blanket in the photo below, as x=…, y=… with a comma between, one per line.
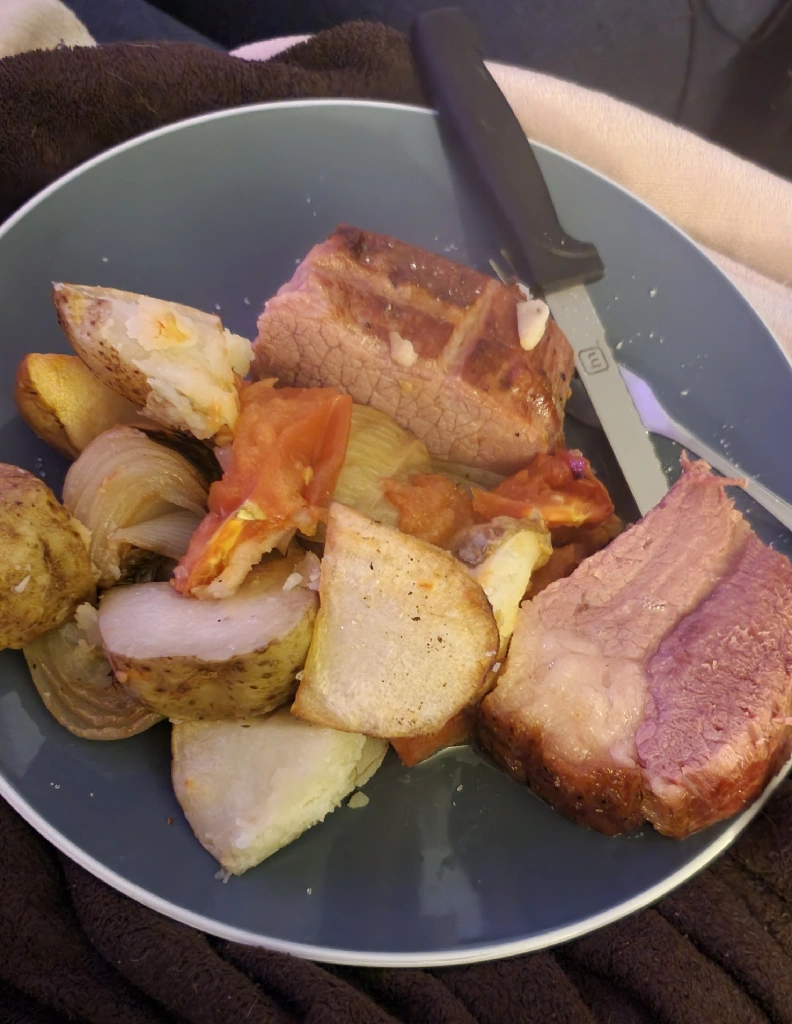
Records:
x=719, y=950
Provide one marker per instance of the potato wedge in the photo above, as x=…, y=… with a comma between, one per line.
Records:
x=230, y=658
x=176, y=364
x=65, y=404
x=249, y=788
x=502, y=556
x=45, y=571
x=404, y=637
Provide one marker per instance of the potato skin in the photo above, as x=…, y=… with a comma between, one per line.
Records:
x=45, y=571
x=189, y=689
x=65, y=404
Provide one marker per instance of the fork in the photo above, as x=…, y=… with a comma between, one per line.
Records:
x=657, y=421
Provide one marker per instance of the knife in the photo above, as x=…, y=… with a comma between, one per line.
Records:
x=478, y=118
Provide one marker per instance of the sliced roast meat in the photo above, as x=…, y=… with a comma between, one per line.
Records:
x=655, y=682
x=432, y=344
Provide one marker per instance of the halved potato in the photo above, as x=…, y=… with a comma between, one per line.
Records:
x=249, y=788
x=66, y=404
x=177, y=364
x=404, y=637
x=45, y=571
x=229, y=658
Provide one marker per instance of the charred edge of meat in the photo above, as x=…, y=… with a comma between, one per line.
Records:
x=707, y=804
x=606, y=799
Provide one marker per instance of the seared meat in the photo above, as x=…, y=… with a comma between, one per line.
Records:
x=432, y=344
x=655, y=682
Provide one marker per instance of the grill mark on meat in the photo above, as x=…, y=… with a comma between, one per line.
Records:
x=656, y=681
x=474, y=395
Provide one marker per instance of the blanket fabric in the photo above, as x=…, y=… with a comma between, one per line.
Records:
x=717, y=950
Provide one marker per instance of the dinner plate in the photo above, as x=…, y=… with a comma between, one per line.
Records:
x=450, y=861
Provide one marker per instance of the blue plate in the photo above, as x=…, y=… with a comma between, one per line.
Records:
x=450, y=861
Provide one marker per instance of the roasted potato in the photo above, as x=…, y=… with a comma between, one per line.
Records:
x=45, y=570
x=249, y=788
x=65, y=404
x=404, y=637
x=177, y=364
x=229, y=658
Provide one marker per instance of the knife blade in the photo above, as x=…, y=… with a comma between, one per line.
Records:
x=477, y=116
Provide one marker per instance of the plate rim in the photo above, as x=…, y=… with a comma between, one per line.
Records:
x=477, y=953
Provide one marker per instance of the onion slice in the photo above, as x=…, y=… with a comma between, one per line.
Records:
x=167, y=535
x=77, y=685
x=121, y=480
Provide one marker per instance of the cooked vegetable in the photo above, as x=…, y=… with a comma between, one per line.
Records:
x=404, y=637
x=561, y=487
x=279, y=475
x=76, y=683
x=431, y=507
x=378, y=449
x=229, y=658
x=249, y=788
x=175, y=363
x=124, y=479
x=45, y=571
x=65, y=404
x=414, y=749
x=501, y=556
x=167, y=535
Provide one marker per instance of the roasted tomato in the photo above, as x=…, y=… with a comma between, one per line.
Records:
x=561, y=487
x=431, y=506
x=279, y=474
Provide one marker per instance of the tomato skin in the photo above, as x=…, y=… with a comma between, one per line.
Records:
x=431, y=506
x=280, y=471
x=561, y=487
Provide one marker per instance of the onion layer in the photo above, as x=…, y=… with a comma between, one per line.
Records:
x=77, y=685
x=121, y=480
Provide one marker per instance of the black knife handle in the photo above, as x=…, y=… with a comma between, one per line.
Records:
x=446, y=50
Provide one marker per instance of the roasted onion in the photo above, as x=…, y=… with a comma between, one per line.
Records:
x=77, y=685
x=124, y=479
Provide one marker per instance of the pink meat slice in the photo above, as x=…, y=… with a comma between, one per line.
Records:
x=655, y=682
x=717, y=728
x=472, y=394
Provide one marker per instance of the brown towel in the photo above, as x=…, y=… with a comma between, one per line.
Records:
x=719, y=950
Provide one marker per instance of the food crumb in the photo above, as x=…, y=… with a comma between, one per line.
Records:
x=459, y=788
x=293, y=581
x=169, y=821
x=309, y=891
x=217, y=306
x=358, y=800
x=246, y=301
x=104, y=259
x=222, y=875
x=90, y=794
x=21, y=585
x=652, y=292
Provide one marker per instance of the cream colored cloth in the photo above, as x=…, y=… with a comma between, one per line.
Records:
x=39, y=25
